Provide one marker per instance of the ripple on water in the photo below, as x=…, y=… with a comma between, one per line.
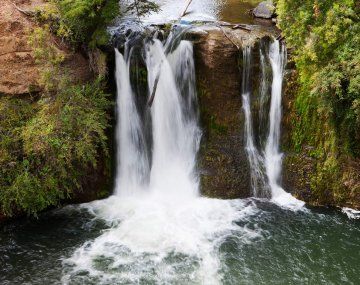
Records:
x=160, y=241
x=266, y=244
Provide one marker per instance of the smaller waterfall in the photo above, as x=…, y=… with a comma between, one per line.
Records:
x=273, y=157
x=266, y=164
x=255, y=159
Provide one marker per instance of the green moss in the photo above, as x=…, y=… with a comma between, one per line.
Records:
x=216, y=127
x=210, y=121
x=326, y=39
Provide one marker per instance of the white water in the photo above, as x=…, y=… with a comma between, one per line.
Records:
x=176, y=140
x=160, y=230
x=255, y=159
x=263, y=95
x=132, y=159
x=271, y=158
x=351, y=213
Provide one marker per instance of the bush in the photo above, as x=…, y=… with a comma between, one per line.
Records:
x=326, y=37
x=47, y=146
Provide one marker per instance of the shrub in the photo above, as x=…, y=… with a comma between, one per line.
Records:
x=326, y=37
x=47, y=146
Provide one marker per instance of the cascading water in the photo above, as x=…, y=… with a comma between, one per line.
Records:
x=160, y=230
x=255, y=159
x=273, y=158
x=132, y=159
x=175, y=136
x=269, y=159
x=156, y=228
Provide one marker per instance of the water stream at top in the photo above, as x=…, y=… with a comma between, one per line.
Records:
x=235, y=11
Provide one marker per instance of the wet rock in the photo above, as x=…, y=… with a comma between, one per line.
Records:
x=223, y=162
x=265, y=10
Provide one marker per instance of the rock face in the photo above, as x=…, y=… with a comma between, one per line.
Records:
x=264, y=10
x=18, y=70
x=223, y=161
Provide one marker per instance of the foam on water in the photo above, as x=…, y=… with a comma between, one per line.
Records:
x=159, y=241
x=351, y=213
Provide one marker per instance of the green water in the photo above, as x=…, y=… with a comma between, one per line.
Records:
x=316, y=247
x=238, y=11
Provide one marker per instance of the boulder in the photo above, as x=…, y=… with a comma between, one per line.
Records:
x=265, y=10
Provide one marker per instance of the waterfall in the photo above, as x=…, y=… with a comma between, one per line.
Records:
x=161, y=231
x=273, y=157
x=255, y=159
x=176, y=134
x=175, y=131
x=132, y=160
x=268, y=160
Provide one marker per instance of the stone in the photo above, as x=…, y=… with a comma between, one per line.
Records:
x=265, y=10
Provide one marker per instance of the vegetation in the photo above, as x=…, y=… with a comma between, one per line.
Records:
x=142, y=7
x=47, y=146
x=86, y=21
x=326, y=39
x=80, y=21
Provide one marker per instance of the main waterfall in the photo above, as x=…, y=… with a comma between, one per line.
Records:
x=175, y=131
x=160, y=230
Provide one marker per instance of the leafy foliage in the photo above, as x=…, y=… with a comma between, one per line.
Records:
x=326, y=38
x=143, y=7
x=80, y=21
x=326, y=35
x=49, y=56
x=46, y=147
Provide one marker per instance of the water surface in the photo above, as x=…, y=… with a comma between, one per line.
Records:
x=266, y=245
x=233, y=11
